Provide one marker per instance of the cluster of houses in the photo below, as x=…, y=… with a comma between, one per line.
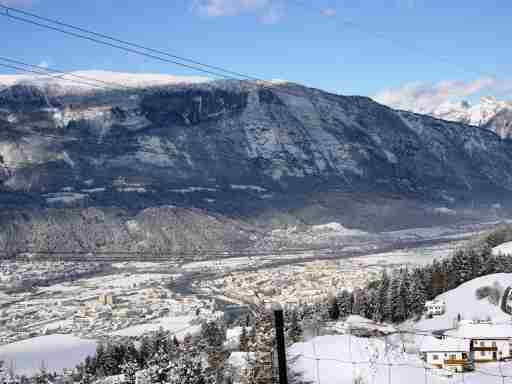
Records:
x=470, y=342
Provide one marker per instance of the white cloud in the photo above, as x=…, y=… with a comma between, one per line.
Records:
x=425, y=97
x=217, y=8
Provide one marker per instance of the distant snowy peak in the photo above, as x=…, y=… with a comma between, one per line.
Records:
x=85, y=81
x=488, y=113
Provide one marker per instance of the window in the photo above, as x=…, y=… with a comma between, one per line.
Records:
x=482, y=353
x=464, y=355
x=482, y=344
x=494, y=344
x=453, y=357
x=435, y=357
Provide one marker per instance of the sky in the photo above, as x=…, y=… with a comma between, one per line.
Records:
x=411, y=54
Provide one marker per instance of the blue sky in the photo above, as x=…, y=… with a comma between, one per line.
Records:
x=278, y=39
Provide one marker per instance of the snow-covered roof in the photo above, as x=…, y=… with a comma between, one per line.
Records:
x=435, y=302
x=433, y=344
x=483, y=331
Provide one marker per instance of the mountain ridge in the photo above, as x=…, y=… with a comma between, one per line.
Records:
x=262, y=155
x=489, y=113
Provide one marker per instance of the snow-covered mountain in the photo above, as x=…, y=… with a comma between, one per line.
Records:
x=489, y=113
x=93, y=80
x=280, y=155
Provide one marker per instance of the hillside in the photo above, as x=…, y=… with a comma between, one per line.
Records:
x=344, y=358
x=267, y=156
x=462, y=300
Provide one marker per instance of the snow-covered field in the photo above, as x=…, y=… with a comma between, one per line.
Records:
x=125, y=280
x=177, y=325
x=463, y=300
x=55, y=352
x=346, y=359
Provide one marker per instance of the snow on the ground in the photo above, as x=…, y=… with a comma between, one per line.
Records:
x=64, y=197
x=125, y=280
x=56, y=352
x=61, y=287
x=345, y=359
x=354, y=321
x=504, y=249
x=338, y=228
x=136, y=264
x=194, y=189
x=233, y=337
x=462, y=300
x=177, y=325
x=94, y=190
x=255, y=188
x=241, y=359
x=445, y=211
x=336, y=355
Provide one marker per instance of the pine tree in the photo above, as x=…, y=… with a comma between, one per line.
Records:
x=187, y=369
x=295, y=331
x=417, y=296
x=382, y=297
x=334, y=310
x=244, y=340
x=356, y=304
x=212, y=341
x=110, y=364
x=461, y=267
x=363, y=304
x=439, y=278
x=146, y=351
x=345, y=302
x=99, y=359
x=131, y=352
x=375, y=307
x=263, y=347
x=397, y=305
x=129, y=368
x=405, y=287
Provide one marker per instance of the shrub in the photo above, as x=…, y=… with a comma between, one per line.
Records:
x=493, y=293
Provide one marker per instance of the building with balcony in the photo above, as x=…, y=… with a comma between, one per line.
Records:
x=489, y=342
x=448, y=353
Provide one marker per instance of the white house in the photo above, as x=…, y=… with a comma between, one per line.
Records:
x=489, y=342
x=435, y=307
x=448, y=353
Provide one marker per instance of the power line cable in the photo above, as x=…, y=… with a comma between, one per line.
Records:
x=125, y=42
x=40, y=72
x=382, y=36
x=130, y=48
x=111, y=45
x=51, y=71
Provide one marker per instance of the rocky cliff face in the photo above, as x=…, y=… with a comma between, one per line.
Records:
x=260, y=154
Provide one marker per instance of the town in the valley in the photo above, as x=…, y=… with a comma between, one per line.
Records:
x=255, y=192
x=330, y=305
